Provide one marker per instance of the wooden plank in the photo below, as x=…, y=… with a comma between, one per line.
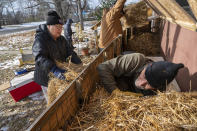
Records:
x=119, y=45
x=175, y=13
x=48, y=113
x=4, y=86
x=72, y=108
x=108, y=52
x=65, y=109
x=74, y=102
x=60, y=116
x=153, y=7
x=193, y=5
x=162, y=9
x=53, y=122
x=94, y=27
x=45, y=128
x=86, y=86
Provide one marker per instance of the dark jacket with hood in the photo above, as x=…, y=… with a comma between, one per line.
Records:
x=46, y=51
x=68, y=30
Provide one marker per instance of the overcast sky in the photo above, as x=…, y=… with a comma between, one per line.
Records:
x=95, y=3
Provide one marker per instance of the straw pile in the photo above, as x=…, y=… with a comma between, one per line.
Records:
x=166, y=111
x=141, y=40
x=56, y=86
x=146, y=43
x=135, y=14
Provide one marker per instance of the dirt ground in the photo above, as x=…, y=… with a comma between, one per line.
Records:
x=17, y=116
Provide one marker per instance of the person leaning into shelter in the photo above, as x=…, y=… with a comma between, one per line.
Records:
x=68, y=32
x=136, y=73
x=110, y=24
x=48, y=47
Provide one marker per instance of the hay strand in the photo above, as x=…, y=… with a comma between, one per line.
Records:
x=166, y=111
x=56, y=86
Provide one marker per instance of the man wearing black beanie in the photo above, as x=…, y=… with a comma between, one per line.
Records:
x=135, y=73
x=50, y=46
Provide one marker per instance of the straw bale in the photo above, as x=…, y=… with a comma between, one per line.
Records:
x=56, y=86
x=146, y=43
x=135, y=14
x=166, y=111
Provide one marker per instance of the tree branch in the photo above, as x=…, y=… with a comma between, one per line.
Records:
x=39, y=4
x=84, y=5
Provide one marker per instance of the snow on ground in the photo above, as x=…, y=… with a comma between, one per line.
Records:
x=11, y=27
x=20, y=115
x=81, y=45
x=17, y=41
x=32, y=24
x=4, y=128
x=10, y=63
x=16, y=33
x=3, y=48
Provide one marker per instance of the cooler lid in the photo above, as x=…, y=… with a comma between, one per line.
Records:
x=22, y=80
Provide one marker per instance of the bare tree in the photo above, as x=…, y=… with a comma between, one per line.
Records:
x=80, y=6
x=2, y=7
x=66, y=6
x=42, y=7
x=80, y=10
x=1, y=13
x=33, y=10
x=11, y=6
x=58, y=7
x=61, y=6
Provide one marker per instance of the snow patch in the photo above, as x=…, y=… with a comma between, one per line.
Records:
x=31, y=24
x=20, y=32
x=10, y=63
x=37, y=96
x=81, y=45
x=4, y=128
x=3, y=48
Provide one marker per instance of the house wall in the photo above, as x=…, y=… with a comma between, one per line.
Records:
x=179, y=45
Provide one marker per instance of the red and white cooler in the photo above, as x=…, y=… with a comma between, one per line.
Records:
x=23, y=86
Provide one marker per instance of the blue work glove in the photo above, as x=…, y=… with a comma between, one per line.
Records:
x=59, y=73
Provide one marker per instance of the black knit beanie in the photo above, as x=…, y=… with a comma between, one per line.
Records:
x=158, y=74
x=53, y=18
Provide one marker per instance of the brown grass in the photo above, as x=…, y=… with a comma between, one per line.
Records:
x=166, y=111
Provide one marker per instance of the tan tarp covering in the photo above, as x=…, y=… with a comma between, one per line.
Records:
x=174, y=13
x=193, y=5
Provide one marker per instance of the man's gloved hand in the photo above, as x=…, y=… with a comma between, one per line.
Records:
x=59, y=73
x=117, y=92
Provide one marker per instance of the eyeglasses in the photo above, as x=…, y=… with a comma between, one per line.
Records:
x=59, y=27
